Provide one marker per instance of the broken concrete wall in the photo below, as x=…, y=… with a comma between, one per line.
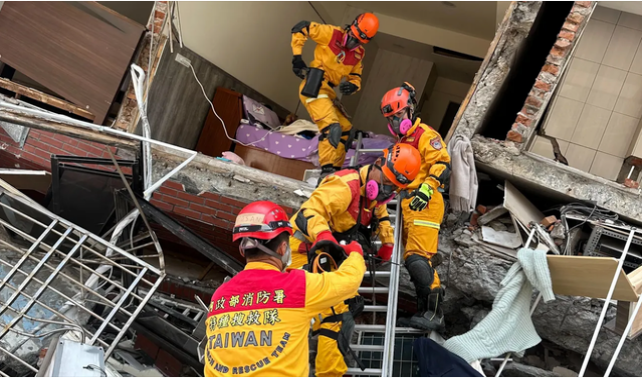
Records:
x=504, y=159
x=514, y=29
x=473, y=275
x=551, y=73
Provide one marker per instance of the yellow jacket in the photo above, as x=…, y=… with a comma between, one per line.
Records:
x=330, y=55
x=334, y=206
x=259, y=320
x=436, y=162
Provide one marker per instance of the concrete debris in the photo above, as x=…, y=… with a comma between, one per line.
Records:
x=515, y=369
x=470, y=271
x=492, y=214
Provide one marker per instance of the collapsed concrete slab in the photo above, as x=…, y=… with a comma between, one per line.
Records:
x=505, y=160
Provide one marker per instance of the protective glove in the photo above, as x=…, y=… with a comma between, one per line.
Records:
x=326, y=235
x=299, y=67
x=353, y=247
x=347, y=88
x=422, y=197
x=385, y=252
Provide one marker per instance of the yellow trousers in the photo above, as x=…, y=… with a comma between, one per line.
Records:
x=421, y=229
x=329, y=361
x=324, y=113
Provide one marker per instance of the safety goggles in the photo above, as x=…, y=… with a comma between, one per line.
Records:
x=250, y=243
x=360, y=33
x=271, y=226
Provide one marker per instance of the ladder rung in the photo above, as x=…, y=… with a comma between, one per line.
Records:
x=370, y=290
x=367, y=348
x=382, y=328
x=358, y=371
x=379, y=273
x=371, y=308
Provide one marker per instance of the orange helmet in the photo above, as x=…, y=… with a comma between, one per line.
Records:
x=365, y=27
x=397, y=99
x=402, y=165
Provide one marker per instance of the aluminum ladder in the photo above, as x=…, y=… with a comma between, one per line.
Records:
x=389, y=329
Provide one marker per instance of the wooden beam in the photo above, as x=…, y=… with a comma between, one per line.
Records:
x=45, y=98
x=69, y=130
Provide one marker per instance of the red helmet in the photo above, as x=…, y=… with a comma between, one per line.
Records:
x=365, y=27
x=397, y=99
x=263, y=220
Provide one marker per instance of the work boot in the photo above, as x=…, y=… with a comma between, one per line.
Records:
x=430, y=316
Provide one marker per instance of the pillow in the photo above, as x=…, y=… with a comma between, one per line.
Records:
x=259, y=113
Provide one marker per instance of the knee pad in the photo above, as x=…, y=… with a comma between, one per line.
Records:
x=333, y=133
x=422, y=274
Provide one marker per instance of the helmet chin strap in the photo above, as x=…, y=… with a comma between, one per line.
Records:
x=249, y=243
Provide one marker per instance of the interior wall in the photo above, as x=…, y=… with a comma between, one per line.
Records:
x=138, y=11
x=388, y=71
x=597, y=111
x=436, y=104
x=250, y=41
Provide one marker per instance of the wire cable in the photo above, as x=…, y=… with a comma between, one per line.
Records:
x=225, y=130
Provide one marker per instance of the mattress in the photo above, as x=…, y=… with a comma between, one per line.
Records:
x=300, y=148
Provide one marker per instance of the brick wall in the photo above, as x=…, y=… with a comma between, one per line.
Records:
x=40, y=145
x=540, y=94
x=210, y=215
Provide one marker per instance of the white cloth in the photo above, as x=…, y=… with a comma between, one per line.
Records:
x=463, y=189
x=299, y=126
x=508, y=327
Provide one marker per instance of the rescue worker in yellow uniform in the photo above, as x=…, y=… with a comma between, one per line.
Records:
x=341, y=204
x=423, y=212
x=339, y=54
x=259, y=321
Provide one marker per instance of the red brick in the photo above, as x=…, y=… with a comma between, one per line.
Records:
x=57, y=151
x=226, y=216
x=187, y=212
x=168, y=191
x=74, y=150
x=174, y=185
x=51, y=141
x=176, y=201
x=39, y=145
x=521, y=118
x=162, y=205
x=542, y=85
x=570, y=26
x=232, y=202
x=481, y=209
x=631, y=183
x=514, y=136
x=584, y=4
x=533, y=101
x=474, y=219
x=217, y=222
x=219, y=206
x=562, y=44
x=63, y=138
x=211, y=196
x=43, y=154
x=567, y=35
x=556, y=52
x=576, y=18
x=37, y=160
x=190, y=197
x=202, y=209
x=552, y=69
x=92, y=150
